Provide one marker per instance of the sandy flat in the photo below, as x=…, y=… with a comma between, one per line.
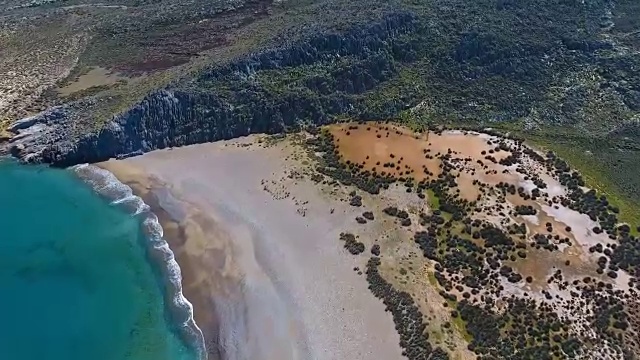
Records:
x=94, y=77
x=266, y=282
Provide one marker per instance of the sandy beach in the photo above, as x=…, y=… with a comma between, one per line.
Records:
x=260, y=255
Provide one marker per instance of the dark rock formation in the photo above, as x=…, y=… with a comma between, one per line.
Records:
x=183, y=114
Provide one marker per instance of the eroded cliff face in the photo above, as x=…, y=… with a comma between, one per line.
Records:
x=196, y=112
x=440, y=64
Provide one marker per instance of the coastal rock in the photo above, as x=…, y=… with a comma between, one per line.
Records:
x=180, y=115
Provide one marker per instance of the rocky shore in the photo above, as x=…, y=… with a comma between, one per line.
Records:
x=180, y=115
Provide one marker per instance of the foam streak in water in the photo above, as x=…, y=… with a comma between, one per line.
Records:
x=108, y=186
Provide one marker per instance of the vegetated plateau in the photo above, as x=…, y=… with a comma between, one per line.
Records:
x=527, y=261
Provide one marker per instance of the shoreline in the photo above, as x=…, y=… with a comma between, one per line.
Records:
x=213, y=279
x=266, y=273
x=152, y=218
x=257, y=243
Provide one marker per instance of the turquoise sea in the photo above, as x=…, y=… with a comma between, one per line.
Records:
x=76, y=280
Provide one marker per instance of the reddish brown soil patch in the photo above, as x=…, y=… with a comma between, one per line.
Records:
x=375, y=146
x=407, y=154
x=476, y=158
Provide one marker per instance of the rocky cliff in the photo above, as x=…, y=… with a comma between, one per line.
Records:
x=543, y=64
x=186, y=114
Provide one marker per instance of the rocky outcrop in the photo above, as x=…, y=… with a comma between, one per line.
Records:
x=186, y=114
x=628, y=129
x=535, y=66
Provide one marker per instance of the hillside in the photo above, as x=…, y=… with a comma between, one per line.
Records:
x=564, y=71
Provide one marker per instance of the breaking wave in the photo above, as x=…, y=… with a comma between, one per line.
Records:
x=121, y=195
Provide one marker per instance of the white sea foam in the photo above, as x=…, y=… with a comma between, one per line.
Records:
x=121, y=195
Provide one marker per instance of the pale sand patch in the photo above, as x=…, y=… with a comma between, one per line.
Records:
x=298, y=296
x=97, y=76
x=581, y=224
x=532, y=219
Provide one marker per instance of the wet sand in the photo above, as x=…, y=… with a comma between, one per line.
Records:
x=183, y=230
x=265, y=281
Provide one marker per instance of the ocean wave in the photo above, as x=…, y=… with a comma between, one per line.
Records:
x=121, y=195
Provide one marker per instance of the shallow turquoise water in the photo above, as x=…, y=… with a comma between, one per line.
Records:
x=75, y=282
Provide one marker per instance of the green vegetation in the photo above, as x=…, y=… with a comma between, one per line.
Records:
x=90, y=91
x=608, y=170
x=432, y=279
x=608, y=164
x=540, y=67
x=458, y=323
x=433, y=200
